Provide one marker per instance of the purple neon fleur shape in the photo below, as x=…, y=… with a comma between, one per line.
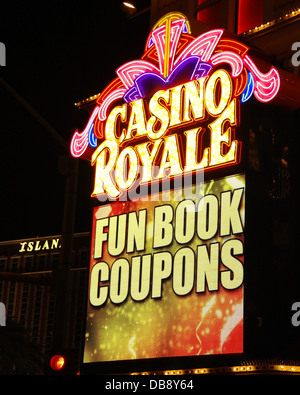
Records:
x=148, y=83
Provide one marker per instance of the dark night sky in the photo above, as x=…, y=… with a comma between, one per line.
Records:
x=57, y=53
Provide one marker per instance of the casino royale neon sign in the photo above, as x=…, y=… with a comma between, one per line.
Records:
x=197, y=100
x=176, y=109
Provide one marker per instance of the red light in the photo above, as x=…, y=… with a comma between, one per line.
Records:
x=57, y=362
x=250, y=15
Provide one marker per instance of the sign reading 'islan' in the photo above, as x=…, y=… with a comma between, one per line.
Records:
x=39, y=245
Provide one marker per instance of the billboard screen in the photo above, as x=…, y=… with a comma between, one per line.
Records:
x=166, y=274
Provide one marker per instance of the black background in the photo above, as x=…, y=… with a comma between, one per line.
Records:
x=57, y=54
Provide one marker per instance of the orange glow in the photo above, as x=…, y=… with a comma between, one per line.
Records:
x=57, y=362
x=129, y=5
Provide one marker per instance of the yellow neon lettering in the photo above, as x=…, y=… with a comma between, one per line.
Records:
x=103, y=180
x=220, y=138
x=192, y=149
x=193, y=100
x=170, y=157
x=110, y=127
x=148, y=158
x=209, y=97
x=176, y=97
x=222, y=77
x=160, y=113
x=123, y=167
x=136, y=120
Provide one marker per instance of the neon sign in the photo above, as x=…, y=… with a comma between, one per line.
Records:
x=167, y=274
x=175, y=109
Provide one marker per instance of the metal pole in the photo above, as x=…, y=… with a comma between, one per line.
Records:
x=62, y=281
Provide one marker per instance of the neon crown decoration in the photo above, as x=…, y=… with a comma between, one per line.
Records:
x=173, y=56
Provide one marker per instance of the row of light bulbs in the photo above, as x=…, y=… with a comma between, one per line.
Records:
x=231, y=369
x=271, y=23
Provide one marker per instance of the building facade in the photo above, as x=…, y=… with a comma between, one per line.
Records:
x=28, y=269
